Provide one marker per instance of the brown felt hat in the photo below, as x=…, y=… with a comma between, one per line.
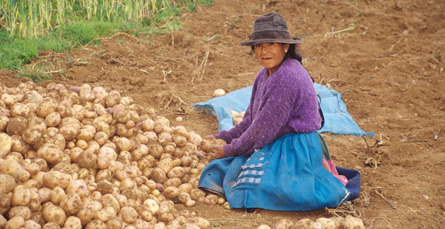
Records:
x=269, y=28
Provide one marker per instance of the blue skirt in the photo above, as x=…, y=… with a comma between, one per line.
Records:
x=285, y=175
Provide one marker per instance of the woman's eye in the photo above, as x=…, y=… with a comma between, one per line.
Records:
x=271, y=43
x=258, y=45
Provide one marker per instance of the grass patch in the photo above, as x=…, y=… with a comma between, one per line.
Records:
x=69, y=24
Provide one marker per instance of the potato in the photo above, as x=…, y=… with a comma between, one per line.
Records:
x=53, y=213
x=71, y=204
x=16, y=125
x=5, y=142
x=105, y=156
x=73, y=222
x=113, y=98
x=132, y=171
x=197, y=193
x=37, y=122
x=151, y=206
x=86, y=132
x=123, y=144
x=139, y=152
x=171, y=192
x=353, y=222
x=184, y=197
x=85, y=213
x=176, y=172
x=128, y=214
x=114, y=223
x=200, y=222
x=327, y=223
x=186, y=187
x=15, y=223
x=158, y=175
x=95, y=224
x=31, y=224
x=53, y=119
x=7, y=182
x=186, y=161
x=101, y=137
x=151, y=135
x=167, y=164
x=21, y=211
x=46, y=106
x=54, y=179
x=69, y=128
x=283, y=224
x=44, y=195
x=122, y=116
x=87, y=159
x=51, y=153
x=127, y=183
x=99, y=93
x=211, y=199
x=51, y=225
x=5, y=203
x=110, y=200
x=3, y=122
x=179, y=140
x=65, y=109
x=34, y=204
x=148, y=124
x=175, y=182
x=57, y=195
x=105, y=214
x=21, y=196
x=164, y=138
x=304, y=224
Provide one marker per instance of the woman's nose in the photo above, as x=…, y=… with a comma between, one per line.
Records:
x=265, y=48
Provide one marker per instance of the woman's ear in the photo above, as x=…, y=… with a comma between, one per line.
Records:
x=286, y=47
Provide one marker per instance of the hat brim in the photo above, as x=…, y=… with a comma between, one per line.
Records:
x=294, y=40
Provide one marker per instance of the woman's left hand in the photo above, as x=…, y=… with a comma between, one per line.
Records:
x=217, y=151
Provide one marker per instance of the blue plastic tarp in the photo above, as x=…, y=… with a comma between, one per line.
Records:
x=337, y=118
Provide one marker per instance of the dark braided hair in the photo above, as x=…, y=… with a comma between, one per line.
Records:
x=294, y=53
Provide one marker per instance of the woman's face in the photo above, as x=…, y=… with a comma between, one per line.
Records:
x=270, y=55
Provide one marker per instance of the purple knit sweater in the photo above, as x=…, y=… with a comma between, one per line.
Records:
x=285, y=102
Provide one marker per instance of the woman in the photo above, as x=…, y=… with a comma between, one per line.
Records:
x=274, y=156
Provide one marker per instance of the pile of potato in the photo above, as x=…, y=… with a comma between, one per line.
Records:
x=349, y=222
x=87, y=158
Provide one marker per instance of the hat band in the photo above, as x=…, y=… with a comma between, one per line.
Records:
x=268, y=26
x=274, y=35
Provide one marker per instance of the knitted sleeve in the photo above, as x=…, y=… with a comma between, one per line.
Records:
x=278, y=99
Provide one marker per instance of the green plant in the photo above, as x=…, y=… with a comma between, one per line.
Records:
x=40, y=71
x=30, y=26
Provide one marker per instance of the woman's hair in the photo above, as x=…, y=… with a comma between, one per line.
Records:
x=292, y=52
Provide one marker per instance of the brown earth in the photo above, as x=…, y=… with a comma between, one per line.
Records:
x=389, y=70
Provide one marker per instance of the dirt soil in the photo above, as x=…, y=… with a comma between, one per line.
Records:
x=388, y=66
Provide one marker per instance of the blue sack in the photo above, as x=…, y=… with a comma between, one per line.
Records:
x=337, y=119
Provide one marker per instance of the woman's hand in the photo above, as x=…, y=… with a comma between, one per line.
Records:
x=209, y=137
x=217, y=151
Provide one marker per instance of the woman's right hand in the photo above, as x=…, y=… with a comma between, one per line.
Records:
x=217, y=151
x=209, y=137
